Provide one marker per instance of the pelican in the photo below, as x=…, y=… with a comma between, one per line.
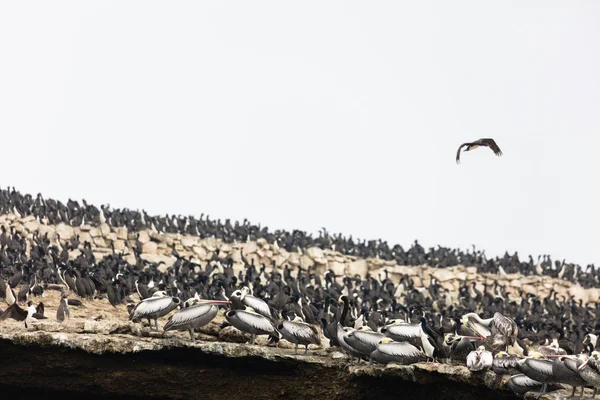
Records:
x=522, y=384
x=154, y=307
x=190, y=317
x=299, y=332
x=399, y=352
x=590, y=371
x=565, y=371
x=250, y=321
x=364, y=340
x=492, y=326
x=242, y=298
x=403, y=332
x=504, y=364
x=479, y=360
x=538, y=369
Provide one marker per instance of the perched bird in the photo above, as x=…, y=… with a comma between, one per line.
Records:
x=63, y=309
x=299, y=332
x=399, y=352
x=481, y=142
x=193, y=316
x=479, y=360
x=250, y=321
x=154, y=307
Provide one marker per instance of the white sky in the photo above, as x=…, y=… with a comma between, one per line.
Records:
x=316, y=113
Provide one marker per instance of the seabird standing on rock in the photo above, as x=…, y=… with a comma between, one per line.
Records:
x=63, y=309
x=242, y=298
x=250, y=321
x=194, y=316
x=399, y=352
x=154, y=307
x=299, y=332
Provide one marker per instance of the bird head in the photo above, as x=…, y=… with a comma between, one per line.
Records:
x=502, y=354
x=386, y=340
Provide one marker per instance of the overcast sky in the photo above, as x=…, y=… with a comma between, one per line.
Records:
x=345, y=115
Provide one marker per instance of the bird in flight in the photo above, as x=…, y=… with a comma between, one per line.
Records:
x=481, y=142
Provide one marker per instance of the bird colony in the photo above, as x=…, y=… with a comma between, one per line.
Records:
x=542, y=343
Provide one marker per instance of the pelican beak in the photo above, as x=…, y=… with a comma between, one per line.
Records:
x=472, y=327
x=215, y=302
x=582, y=366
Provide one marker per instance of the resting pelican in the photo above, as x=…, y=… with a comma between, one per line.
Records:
x=299, y=332
x=154, y=307
x=522, y=384
x=479, y=360
x=538, y=369
x=590, y=371
x=399, y=352
x=403, y=332
x=504, y=364
x=242, y=298
x=190, y=317
x=250, y=321
x=565, y=371
x=364, y=340
x=497, y=324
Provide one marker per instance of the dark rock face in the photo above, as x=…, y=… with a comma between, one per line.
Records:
x=189, y=373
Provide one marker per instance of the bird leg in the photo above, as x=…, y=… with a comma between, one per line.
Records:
x=192, y=333
x=306, y=350
x=252, y=338
x=542, y=391
x=296, y=349
x=156, y=323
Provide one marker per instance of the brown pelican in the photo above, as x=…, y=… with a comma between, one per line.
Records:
x=299, y=332
x=154, y=307
x=479, y=360
x=190, y=317
x=538, y=369
x=590, y=371
x=497, y=324
x=399, y=352
x=63, y=309
x=250, y=321
x=242, y=298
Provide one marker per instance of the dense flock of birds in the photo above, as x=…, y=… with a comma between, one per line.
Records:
x=75, y=214
x=542, y=342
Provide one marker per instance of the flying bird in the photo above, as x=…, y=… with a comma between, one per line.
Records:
x=481, y=142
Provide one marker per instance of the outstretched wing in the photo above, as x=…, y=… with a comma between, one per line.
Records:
x=492, y=145
x=458, y=151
